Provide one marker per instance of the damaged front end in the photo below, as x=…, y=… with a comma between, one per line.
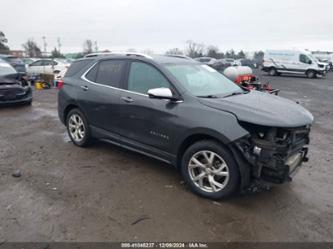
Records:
x=274, y=154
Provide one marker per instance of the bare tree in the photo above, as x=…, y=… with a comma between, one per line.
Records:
x=32, y=49
x=55, y=53
x=174, y=51
x=213, y=51
x=194, y=49
x=88, y=46
x=3, y=41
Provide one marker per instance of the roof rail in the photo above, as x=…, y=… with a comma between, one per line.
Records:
x=118, y=53
x=179, y=56
x=132, y=53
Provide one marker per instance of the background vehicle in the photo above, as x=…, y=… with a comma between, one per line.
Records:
x=48, y=66
x=206, y=60
x=231, y=61
x=297, y=62
x=247, y=63
x=15, y=62
x=12, y=90
x=326, y=57
x=177, y=110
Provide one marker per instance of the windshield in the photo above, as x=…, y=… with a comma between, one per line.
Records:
x=14, y=60
x=202, y=80
x=5, y=69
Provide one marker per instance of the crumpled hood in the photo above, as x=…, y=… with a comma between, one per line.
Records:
x=263, y=109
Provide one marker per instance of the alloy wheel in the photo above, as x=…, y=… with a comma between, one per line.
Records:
x=208, y=171
x=76, y=127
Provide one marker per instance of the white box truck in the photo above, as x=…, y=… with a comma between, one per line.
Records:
x=300, y=62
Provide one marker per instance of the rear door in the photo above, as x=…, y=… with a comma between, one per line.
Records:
x=100, y=93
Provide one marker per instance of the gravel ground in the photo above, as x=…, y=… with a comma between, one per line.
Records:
x=105, y=193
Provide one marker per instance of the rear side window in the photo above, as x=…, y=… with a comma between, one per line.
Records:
x=110, y=72
x=76, y=66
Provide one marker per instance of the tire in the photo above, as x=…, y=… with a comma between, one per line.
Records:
x=311, y=74
x=225, y=172
x=272, y=72
x=78, y=128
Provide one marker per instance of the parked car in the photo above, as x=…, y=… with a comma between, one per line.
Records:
x=15, y=62
x=298, y=62
x=326, y=57
x=247, y=63
x=206, y=60
x=48, y=66
x=12, y=90
x=231, y=61
x=28, y=61
x=183, y=112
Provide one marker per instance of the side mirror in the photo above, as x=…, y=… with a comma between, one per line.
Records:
x=310, y=62
x=160, y=93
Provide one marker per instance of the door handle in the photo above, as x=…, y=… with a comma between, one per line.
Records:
x=84, y=88
x=127, y=99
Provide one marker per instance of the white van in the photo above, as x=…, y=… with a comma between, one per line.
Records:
x=299, y=62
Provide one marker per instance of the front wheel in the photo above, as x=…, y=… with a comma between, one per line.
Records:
x=273, y=72
x=78, y=129
x=210, y=170
x=311, y=74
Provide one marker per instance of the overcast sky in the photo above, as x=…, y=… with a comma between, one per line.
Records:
x=162, y=24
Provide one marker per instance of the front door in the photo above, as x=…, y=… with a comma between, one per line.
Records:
x=143, y=119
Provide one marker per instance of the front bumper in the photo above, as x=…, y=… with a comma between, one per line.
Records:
x=273, y=161
x=23, y=98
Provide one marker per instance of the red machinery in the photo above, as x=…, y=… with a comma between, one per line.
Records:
x=244, y=77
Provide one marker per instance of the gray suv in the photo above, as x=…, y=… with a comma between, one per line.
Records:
x=222, y=138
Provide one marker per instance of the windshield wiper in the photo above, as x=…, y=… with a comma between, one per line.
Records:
x=211, y=96
x=234, y=94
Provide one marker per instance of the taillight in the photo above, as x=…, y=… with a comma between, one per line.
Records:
x=60, y=84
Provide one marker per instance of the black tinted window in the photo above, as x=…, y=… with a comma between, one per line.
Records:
x=110, y=72
x=143, y=77
x=76, y=66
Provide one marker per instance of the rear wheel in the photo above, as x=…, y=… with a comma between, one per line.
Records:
x=78, y=129
x=210, y=170
x=311, y=74
x=272, y=71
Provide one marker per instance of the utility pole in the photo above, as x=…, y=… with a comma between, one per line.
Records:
x=96, y=47
x=45, y=45
x=59, y=45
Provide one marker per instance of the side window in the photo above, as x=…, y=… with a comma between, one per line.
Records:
x=91, y=75
x=143, y=77
x=46, y=63
x=36, y=63
x=110, y=72
x=303, y=58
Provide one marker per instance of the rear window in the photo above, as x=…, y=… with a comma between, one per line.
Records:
x=14, y=60
x=76, y=66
